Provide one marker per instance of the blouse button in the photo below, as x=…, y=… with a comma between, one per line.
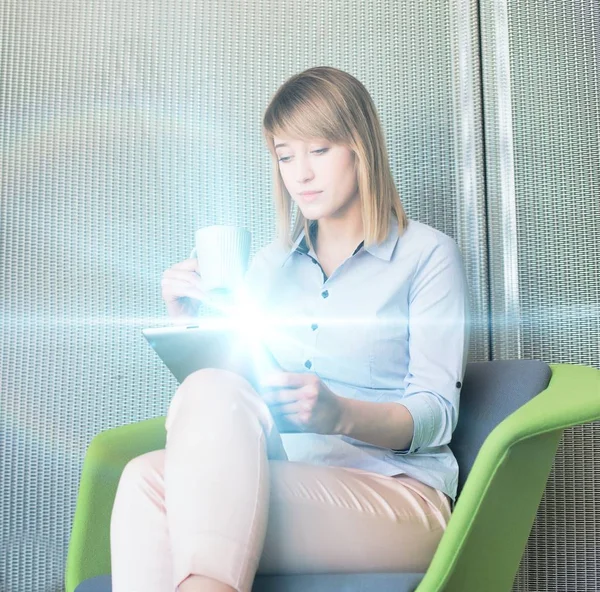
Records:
x=308, y=364
x=458, y=385
x=314, y=326
x=325, y=293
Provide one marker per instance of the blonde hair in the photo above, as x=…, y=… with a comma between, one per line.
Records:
x=324, y=102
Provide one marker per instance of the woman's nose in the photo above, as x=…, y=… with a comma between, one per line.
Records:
x=304, y=171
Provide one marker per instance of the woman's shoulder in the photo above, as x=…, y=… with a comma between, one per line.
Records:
x=425, y=240
x=425, y=234
x=436, y=258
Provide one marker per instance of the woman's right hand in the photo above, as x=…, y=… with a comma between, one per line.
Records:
x=182, y=290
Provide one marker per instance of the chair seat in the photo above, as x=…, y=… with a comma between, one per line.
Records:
x=369, y=582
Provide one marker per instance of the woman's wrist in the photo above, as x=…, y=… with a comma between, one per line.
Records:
x=344, y=423
x=388, y=425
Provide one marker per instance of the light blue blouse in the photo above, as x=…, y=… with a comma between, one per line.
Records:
x=390, y=324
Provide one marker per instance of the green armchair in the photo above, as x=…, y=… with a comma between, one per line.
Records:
x=512, y=416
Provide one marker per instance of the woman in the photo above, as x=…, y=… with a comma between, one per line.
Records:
x=374, y=348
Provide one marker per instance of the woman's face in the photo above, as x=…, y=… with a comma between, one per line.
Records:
x=320, y=167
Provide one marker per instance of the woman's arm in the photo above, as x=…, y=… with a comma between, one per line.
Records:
x=438, y=321
x=388, y=425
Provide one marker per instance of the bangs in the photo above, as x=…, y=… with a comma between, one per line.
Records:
x=301, y=112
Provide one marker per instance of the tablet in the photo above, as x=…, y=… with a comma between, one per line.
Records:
x=185, y=349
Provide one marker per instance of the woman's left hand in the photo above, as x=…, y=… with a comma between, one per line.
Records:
x=301, y=402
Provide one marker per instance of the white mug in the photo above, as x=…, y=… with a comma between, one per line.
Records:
x=222, y=252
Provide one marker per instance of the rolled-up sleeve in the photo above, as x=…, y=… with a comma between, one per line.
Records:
x=439, y=327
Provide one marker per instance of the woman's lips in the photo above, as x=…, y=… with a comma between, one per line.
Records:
x=308, y=197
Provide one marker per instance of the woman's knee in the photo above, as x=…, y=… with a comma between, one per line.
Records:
x=206, y=391
x=142, y=473
x=136, y=496
x=212, y=380
x=209, y=384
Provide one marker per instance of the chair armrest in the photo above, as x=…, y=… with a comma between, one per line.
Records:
x=488, y=531
x=106, y=457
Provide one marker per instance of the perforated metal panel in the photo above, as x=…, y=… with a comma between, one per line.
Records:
x=542, y=129
x=126, y=125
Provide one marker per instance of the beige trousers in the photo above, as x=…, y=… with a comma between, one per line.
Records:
x=222, y=500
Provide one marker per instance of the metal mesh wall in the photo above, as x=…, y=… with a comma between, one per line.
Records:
x=126, y=126
x=542, y=127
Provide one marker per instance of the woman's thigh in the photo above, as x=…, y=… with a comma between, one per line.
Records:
x=327, y=519
x=335, y=520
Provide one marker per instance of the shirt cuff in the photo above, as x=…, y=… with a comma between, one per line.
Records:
x=423, y=415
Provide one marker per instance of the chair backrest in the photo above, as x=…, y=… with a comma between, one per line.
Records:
x=491, y=391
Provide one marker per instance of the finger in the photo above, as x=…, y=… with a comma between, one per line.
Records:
x=177, y=289
x=177, y=274
x=286, y=423
x=193, y=279
x=179, y=278
x=279, y=397
x=294, y=408
x=190, y=264
x=286, y=379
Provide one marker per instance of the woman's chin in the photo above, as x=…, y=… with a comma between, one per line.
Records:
x=311, y=212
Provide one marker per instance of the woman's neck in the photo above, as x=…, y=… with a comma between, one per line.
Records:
x=338, y=238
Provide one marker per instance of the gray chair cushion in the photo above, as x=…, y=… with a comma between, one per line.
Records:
x=372, y=582
x=491, y=391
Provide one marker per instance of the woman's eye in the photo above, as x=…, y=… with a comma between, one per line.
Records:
x=318, y=151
